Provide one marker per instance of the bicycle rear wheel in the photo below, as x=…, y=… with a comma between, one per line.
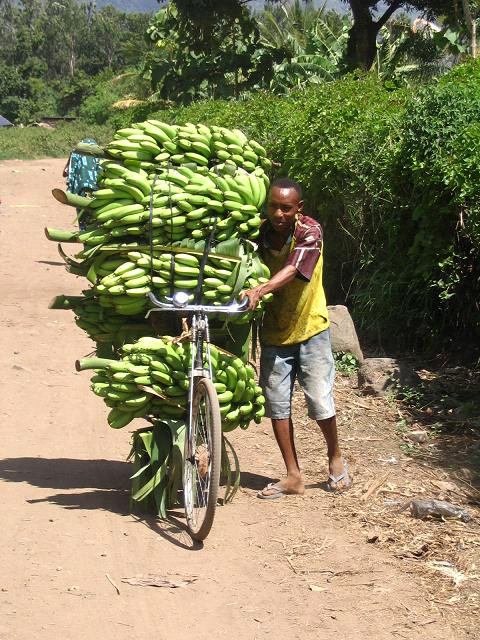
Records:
x=201, y=475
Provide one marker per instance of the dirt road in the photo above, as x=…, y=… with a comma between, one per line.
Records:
x=286, y=569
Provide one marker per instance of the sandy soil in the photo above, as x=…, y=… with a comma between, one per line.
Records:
x=313, y=567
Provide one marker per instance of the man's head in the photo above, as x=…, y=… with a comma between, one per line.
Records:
x=284, y=204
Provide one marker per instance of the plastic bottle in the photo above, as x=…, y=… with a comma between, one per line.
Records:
x=438, y=509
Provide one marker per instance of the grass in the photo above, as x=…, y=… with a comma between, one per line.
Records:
x=32, y=143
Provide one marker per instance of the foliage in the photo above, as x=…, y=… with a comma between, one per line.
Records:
x=52, y=54
x=410, y=53
x=308, y=44
x=184, y=65
x=345, y=363
x=37, y=142
x=368, y=17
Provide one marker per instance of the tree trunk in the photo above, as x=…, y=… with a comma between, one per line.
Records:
x=362, y=41
x=471, y=27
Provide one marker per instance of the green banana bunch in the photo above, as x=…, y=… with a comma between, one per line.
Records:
x=151, y=380
x=157, y=142
x=191, y=176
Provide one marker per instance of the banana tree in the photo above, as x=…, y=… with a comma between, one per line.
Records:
x=311, y=42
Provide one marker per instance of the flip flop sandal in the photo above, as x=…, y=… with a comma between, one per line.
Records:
x=278, y=492
x=336, y=479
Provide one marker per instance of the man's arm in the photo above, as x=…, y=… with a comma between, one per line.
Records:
x=279, y=280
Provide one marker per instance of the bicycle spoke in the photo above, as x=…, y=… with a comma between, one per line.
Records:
x=202, y=460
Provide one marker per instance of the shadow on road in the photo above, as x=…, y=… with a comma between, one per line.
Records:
x=67, y=473
x=51, y=263
x=254, y=481
x=108, y=479
x=109, y=484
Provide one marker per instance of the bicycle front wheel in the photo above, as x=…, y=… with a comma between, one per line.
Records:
x=201, y=476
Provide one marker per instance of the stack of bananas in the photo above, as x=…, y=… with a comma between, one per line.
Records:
x=125, y=287
x=167, y=195
x=164, y=200
x=151, y=378
x=157, y=143
x=103, y=325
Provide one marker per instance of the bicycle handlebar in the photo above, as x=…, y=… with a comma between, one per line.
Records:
x=179, y=302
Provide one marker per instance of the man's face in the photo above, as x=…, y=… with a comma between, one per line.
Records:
x=283, y=206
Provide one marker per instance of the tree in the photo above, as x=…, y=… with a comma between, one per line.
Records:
x=310, y=42
x=368, y=20
x=190, y=62
x=369, y=16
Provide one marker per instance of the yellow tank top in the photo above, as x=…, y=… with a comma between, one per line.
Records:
x=298, y=310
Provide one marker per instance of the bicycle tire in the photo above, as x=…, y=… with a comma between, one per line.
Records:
x=202, y=460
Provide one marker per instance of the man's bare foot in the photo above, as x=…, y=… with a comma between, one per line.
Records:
x=287, y=486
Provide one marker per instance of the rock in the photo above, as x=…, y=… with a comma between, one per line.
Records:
x=379, y=376
x=342, y=331
x=419, y=436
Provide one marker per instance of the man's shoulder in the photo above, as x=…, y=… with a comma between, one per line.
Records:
x=305, y=222
x=308, y=228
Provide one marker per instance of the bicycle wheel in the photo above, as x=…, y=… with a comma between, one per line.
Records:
x=201, y=475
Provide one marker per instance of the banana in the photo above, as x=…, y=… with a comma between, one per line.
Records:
x=186, y=259
x=186, y=271
x=138, y=292
x=233, y=415
x=185, y=283
x=164, y=378
x=257, y=148
x=232, y=205
x=250, y=155
x=220, y=181
x=235, y=196
x=201, y=148
x=170, y=130
x=230, y=137
x=138, y=181
x=170, y=146
x=197, y=158
x=225, y=397
x=160, y=366
x=133, y=283
x=231, y=376
x=118, y=418
x=137, y=401
x=184, y=143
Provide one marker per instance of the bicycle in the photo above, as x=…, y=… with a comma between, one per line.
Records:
x=203, y=439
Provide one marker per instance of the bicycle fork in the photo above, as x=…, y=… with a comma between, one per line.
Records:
x=200, y=340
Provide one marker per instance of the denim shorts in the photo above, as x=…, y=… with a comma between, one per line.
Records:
x=311, y=363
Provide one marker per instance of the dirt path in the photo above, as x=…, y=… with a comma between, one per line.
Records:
x=287, y=569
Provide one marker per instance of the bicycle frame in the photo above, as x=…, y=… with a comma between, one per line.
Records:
x=200, y=380
x=200, y=331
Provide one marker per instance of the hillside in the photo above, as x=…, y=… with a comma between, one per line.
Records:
x=151, y=6
x=131, y=6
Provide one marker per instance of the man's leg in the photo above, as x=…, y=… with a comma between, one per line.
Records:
x=277, y=376
x=283, y=430
x=316, y=376
x=336, y=464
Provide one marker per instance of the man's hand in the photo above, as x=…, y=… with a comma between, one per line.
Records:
x=279, y=280
x=254, y=296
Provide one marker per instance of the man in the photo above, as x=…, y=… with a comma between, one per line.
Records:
x=295, y=338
